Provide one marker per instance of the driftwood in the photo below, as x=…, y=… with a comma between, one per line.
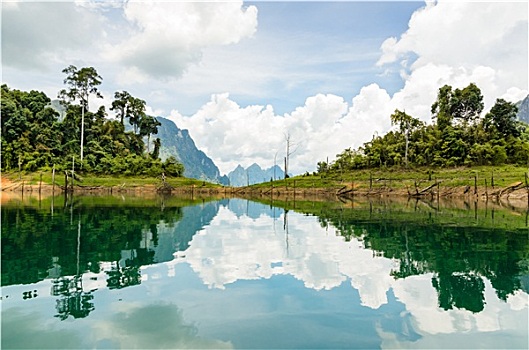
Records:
x=341, y=190
x=508, y=189
x=343, y=193
x=423, y=192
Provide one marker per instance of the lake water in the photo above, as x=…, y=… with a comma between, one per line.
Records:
x=132, y=272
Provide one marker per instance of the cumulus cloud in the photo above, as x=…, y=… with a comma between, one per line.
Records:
x=157, y=39
x=232, y=134
x=446, y=43
x=457, y=43
x=324, y=126
x=169, y=36
x=37, y=34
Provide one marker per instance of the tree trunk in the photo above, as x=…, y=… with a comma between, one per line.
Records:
x=82, y=133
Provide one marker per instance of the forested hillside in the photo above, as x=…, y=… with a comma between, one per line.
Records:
x=33, y=136
x=458, y=135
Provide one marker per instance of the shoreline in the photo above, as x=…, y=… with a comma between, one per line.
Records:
x=515, y=196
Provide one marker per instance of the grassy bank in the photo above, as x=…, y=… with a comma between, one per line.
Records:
x=398, y=180
x=91, y=180
x=402, y=179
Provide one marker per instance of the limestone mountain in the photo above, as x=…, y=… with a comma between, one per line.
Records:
x=253, y=174
x=179, y=144
x=523, y=110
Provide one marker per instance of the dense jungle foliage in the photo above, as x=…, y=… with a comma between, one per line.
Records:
x=36, y=136
x=458, y=135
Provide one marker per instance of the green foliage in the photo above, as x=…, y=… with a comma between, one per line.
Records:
x=502, y=119
x=458, y=136
x=81, y=82
x=172, y=167
x=33, y=137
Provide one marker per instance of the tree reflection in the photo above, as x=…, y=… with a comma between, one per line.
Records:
x=53, y=245
x=463, y=291
x=73, y=301
x=126, y=272
x=458, y=256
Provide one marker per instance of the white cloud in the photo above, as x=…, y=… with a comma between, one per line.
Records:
x=324, y=126
x=461, y=42
x=157, y=39
x=232, y=134
x=169, y=36
x=37, y=34
x=446, y=43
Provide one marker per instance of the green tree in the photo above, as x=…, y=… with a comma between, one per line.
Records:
x=148, y=126
x=172, y=167
x=406, y=124
x=462, y=105
x=502, y=117
x=81, y=84
x=136, y=112
x=121, y=105
x=156, y=152
x=467, y=104
x=441, y=108
x=322, y=167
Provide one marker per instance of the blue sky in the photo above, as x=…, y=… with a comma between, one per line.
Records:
x=327, y=47
x=242, y=75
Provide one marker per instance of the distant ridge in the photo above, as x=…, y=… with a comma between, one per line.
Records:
x=254, y=174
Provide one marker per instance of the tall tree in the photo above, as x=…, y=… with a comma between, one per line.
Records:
x=464, y=105
x=81, y=84
x=406, y=124
x=121, y=105
x=467, y=104
x=441, y=108
x=136, y=112
x=148, y=125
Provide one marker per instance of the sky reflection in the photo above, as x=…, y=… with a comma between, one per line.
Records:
x=259, y=277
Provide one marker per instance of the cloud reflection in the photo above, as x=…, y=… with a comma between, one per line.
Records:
x=249, y=249
x=160, y=325
x=238, y=247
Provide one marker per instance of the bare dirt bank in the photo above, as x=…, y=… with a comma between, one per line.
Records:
x=515, y=195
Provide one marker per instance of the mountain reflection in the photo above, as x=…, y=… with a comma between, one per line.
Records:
x=371, y=246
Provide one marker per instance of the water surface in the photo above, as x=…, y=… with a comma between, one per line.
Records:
x=120, y=272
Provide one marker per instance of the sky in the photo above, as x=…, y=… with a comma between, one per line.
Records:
x=242, y=76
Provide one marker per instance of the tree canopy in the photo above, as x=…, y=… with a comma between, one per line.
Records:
x=34, y=137
x=458, y=135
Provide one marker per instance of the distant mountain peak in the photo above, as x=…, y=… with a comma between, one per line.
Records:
x=254, y=174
